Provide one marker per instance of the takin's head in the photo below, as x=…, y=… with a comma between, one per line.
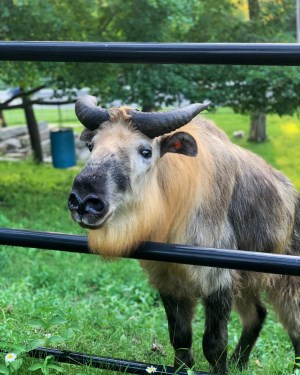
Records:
x=125, y=147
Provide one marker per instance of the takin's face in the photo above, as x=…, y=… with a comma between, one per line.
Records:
x=121, y=166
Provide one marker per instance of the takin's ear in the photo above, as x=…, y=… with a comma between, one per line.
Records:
x=87, y=135
x=179, y=143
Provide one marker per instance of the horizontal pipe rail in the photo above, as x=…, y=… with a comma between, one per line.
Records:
x=107, y=363
x=154, y=53
x=200, y=256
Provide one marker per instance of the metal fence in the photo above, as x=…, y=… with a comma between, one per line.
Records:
x=155, y=53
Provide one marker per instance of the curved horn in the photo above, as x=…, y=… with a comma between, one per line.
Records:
x=156, y=124
x=89, y=114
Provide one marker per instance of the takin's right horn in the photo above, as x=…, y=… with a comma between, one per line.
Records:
x=159, y=123
x=89, y=114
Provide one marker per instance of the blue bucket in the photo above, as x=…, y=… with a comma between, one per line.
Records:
x=63, y=148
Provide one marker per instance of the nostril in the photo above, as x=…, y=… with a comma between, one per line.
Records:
x=73, y=202
x=94, y=206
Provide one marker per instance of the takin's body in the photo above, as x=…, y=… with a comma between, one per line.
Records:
x=224, y=197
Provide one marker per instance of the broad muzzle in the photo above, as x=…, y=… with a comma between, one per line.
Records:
x=87, y=202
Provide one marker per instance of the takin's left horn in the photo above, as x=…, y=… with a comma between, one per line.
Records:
x=89, y=114
x=159, y=123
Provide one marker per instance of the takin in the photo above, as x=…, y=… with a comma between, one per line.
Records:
x=171, y=177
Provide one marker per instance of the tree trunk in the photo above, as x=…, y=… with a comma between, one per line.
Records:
x=33, y=130
x=253, y=7
x=258, y=118
x=2, y=120
x=258, y=126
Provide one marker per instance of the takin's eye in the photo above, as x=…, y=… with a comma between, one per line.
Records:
x=90, y=146
x=145, y=152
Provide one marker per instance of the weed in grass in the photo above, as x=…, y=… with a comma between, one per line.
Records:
x=52, y=329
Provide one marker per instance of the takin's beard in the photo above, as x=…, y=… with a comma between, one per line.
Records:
x=144, y=221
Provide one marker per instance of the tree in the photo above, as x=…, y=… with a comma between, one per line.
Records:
x=249, y=90
x=256, y=91
x=270, y=90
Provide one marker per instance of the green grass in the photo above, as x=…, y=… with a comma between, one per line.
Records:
x=51, y=115
x=108, y=308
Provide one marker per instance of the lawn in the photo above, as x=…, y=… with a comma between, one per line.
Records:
x=49, y=114
x=82, y=303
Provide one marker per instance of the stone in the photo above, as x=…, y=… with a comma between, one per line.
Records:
x=44, y=135
x=25, y=140
x=3, y=147
x=16, y=155
x=48, y=159
x=13, y=144
x=239, y=134
x=11, y=132
x=46, y=146
x=43, y=126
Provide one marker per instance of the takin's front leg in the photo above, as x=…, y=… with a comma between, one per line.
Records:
x=217, y=306
x=180, y=313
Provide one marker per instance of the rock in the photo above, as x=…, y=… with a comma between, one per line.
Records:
x=43, y=126
x=158, y=348
x=11, y=132
x=3, y=147
x=239, y=134
x=48, y=159
x=25, y=140
x=13, y=144
x=16, y=155
x=46, y=146
x=44, y=135
x=24, y=151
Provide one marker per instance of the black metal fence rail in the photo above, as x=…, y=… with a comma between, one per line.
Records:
x=106, y=363
x=163, y=252
x=153, y=53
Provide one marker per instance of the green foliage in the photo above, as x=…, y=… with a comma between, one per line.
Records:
x=42, y=20
x=245, y=89
x=215, y=23
x=46, y=366
x=45, y=331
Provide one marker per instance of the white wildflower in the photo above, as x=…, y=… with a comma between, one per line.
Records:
x=10, y=357
x=151, y=369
